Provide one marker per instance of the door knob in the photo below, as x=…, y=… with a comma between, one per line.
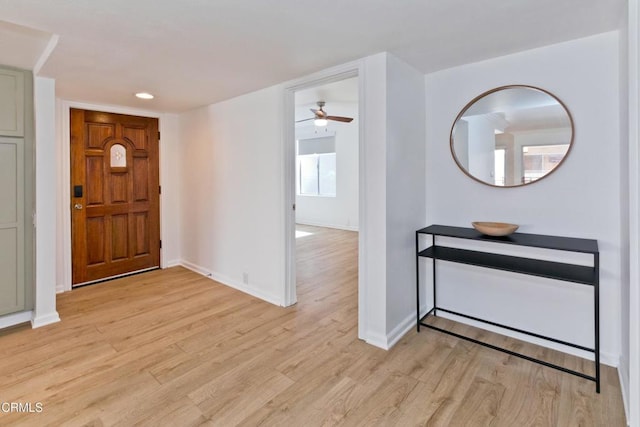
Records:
x=77, y=206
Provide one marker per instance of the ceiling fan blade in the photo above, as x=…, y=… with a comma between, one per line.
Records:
x=305, y=120
x=340, y=119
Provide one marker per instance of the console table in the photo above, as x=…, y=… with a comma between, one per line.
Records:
x=583, y=275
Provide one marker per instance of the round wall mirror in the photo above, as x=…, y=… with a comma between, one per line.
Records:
x=512, y=136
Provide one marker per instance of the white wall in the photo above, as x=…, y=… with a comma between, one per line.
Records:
x=44, y=311
x=171, y=198
x=625, y=163
x=372, y=292
x=393, y=204
x=633, y=330
x=232, y=192
x=581, y=199
x=405, y=202
x=340, y=211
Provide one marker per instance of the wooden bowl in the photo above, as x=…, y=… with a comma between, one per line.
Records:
x=495, y=228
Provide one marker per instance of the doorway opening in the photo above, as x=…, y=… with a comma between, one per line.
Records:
x=325, y=187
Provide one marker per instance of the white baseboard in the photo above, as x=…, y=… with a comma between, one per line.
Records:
x=60, y=288
x=606, y=358
x=609, y=359
x=15, y=319
x=235, y=284
x=623, y=376
x=247, y=289
x=405, y=326
x=46, y=319
x=172, y=263
x=327, y=225
x=401, y=330
x=195, y=268
x=377, y=340
x=29, y=316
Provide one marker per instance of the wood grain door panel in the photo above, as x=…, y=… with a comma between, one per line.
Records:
x=115, y=159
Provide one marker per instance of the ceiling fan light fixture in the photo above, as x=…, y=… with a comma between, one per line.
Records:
x=320, y=122
x=144, y=95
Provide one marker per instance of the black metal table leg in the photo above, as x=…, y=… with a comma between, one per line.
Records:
x=417, y=282
x=596, y=317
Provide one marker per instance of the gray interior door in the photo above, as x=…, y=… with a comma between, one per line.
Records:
x=11, y=225
x=13, y=192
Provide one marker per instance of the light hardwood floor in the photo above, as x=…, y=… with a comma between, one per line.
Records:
x=174, y=348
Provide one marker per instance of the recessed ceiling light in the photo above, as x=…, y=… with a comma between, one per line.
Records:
x=144, y=95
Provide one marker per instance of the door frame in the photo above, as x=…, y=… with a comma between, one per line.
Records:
x=345, y=71
x=63, y=107
x=633, y=52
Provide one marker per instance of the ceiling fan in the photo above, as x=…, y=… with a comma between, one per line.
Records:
x=321, y=117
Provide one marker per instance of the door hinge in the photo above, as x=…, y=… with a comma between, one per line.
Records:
x=158, y=135
x=159, y=189
x=294, y=206
x=160, y=244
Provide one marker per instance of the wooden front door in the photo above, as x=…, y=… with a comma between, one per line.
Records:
x=115, y=202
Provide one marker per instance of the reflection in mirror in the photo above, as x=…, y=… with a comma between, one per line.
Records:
x=511, y=136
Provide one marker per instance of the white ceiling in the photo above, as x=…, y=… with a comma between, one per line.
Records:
x=521, y=109
x=195, y=52
x=21, y=47
x=341, y=91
